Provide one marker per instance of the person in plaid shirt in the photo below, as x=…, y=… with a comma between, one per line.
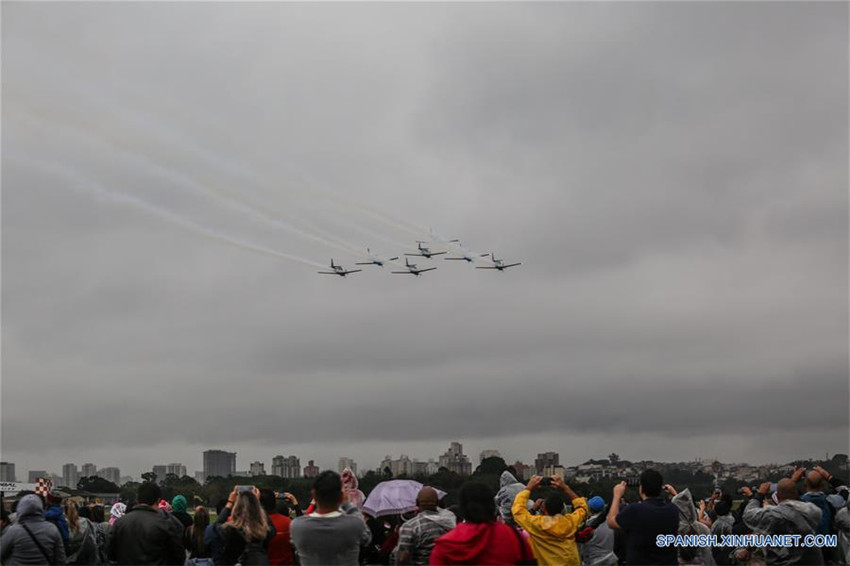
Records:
x=417, y=536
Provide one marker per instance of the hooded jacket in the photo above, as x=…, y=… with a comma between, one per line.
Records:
x=842, y=527
x=790, y=517
x=349, y=486
x=552, y=536
x=480, y=543
x=689, y=522
x=509, y=488
x=17, y=547
x=145, y=535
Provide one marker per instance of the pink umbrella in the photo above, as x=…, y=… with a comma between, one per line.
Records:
x=394, y=497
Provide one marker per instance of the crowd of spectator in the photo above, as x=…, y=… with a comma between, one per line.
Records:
x=544, y=522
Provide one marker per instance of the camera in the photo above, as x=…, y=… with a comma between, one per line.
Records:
x=244, y=488
x=633, y=481
x=546, y=482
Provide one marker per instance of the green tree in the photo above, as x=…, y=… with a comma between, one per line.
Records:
x=96, y=484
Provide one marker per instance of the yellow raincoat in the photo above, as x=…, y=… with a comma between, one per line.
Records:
x=552, y=537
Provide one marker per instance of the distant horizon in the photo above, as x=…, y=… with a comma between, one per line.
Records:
x=474, y=460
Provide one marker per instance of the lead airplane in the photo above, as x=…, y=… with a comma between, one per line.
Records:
x=465, y=255
x=412, y=269
x=497, y=263
x=425, y=251
x=375, y=260
x=339, y=270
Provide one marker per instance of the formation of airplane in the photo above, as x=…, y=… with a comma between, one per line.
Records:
x=412, y=269
x=428, y=252
x=339, y=270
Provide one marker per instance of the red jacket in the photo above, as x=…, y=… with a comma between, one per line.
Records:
x=481, y=543
x=280, y=549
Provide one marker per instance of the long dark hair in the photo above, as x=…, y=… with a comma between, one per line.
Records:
x=199, y=525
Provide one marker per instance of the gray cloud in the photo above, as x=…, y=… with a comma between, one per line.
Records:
x=673, y=176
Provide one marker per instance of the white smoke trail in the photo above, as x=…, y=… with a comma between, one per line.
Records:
x=92, y=187
x=189, y=144
x=187, y=181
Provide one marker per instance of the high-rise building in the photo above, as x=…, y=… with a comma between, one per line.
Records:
x=88, y=470
x=70, y=475
x=523, y=471
x=177, y=469
x=455, y=460
x=546, y=460
x=257, y=469
x=112, y=474
x=35, y=474
x=7, y=471
x=311, y=470
x=401, y=466
x=159, y=471
x=199, y=477
x=219, y=463
x=286, y=467
x=345, y=462
x=488, y=454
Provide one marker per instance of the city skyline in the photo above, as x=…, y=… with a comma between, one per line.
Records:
x=530, y=462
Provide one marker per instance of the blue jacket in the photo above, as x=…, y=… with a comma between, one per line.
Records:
x=55, y=515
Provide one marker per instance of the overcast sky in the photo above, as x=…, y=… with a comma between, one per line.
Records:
x=673, y=176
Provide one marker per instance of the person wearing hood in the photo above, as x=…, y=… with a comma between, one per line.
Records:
x=350, y=487
x=178, y=510
x=553, y=533
x=480, y=539
x=723, y=525
x=53, y=513
x=509, y=488
x=417, y=536
x=689, y=524
x=789, y=517
x=599, y=550
x=842, y=527
x=32, y=539
x=118, y=510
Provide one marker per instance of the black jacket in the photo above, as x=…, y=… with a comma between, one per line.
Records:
x=146, y=536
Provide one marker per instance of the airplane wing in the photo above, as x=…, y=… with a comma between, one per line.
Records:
x=351, y=271
x=418, y=255
x=427, y=269
x=391, y=258
x=403, y=272
x=455, y=258
x=328, y=272
x=486, y=267
x=365, y=263
x=511, y=265
x=438, y=253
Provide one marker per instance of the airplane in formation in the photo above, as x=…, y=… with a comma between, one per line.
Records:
x=339, y=270
x=376, y=260
x=465, y=255
x=412, y=269
x=497, y=263
x=425, y=251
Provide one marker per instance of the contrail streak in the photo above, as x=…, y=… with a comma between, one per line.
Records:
x=213, y=159
x=181, y=178
x=92, y=187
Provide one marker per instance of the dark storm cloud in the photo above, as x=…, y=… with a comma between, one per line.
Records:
x=673, y=177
